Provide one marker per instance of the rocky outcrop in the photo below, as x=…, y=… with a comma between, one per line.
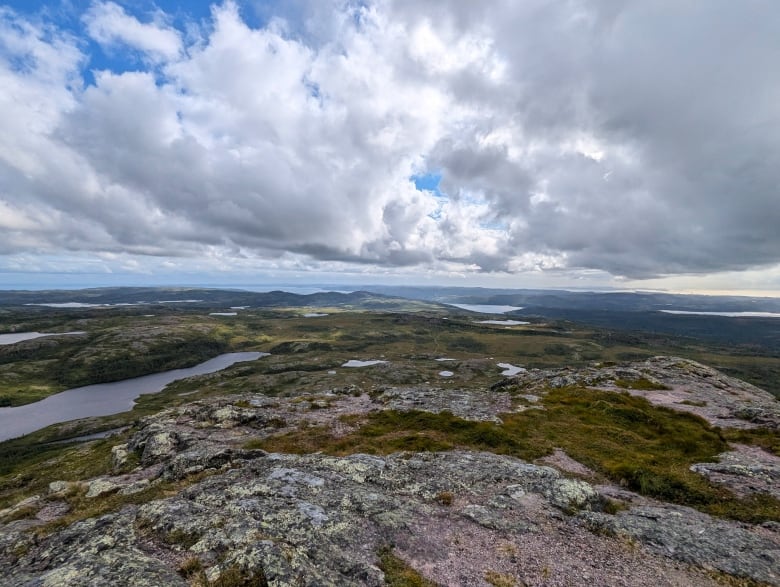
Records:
x=680, y=384
x=746, y=470
x=190, y=503
x=320, y=520
x=691, y=536
x=466, y=404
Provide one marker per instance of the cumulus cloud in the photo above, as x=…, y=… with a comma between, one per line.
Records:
x=109, y=24
x=637, y=139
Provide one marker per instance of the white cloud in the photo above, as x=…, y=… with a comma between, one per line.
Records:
x=109, y=24
x=290, y=147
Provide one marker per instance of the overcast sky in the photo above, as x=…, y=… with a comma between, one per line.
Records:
x=568, y=143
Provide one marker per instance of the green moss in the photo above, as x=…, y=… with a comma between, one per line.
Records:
x=398, y=573
x=181, y=538
x=641, y=383
x=235, y=577
x=558, y=349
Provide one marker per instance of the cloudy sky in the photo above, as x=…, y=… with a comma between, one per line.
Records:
x=566, y=143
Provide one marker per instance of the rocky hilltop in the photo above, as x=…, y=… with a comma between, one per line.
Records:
x=490, y=486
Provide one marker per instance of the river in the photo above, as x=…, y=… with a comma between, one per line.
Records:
x=102, y=399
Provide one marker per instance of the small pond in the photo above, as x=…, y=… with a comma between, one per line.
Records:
x=356, y=363
x=509, y=369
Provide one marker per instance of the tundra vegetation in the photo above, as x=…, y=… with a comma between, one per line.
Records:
x=622, y=437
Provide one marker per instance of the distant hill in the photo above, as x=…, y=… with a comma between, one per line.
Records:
x=581, y=300
x=626, y=311
x=210, y=298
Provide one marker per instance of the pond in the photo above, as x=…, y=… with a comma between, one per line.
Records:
x=509, y=370
x=357, y=363
x=102, y=399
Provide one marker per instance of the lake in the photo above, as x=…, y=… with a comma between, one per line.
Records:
x=15, y=337
x=727, y=314
x=102, y=399
x=487, y=308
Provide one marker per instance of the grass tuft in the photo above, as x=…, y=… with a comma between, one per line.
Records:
x=646, y=448
x=445, y=497
x=499, y=579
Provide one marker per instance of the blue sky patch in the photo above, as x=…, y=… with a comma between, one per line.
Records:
x=428, y=182
x=68, y=15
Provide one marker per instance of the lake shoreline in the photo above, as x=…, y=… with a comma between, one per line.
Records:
x=103, y=399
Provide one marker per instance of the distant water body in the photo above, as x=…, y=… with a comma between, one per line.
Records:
x=487, y=308
x=113, y=305
x=357, y=363
x=15, y=337
x=102, y=399
x=727, y=314
x=509, y=369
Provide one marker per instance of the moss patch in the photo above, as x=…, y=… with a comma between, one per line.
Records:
x=398, y=573
x=641, y=383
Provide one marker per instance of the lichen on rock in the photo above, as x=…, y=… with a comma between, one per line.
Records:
x=201, y=498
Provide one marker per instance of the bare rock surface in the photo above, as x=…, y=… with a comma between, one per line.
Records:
x=563, y=462
x=746, y=470
x=690, y=536
x=457, y=517
x=320, y=520
x=466, y=404
x=729, y=402
x=680, y=384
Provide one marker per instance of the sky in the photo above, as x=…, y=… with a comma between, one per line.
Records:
x=543, y=143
